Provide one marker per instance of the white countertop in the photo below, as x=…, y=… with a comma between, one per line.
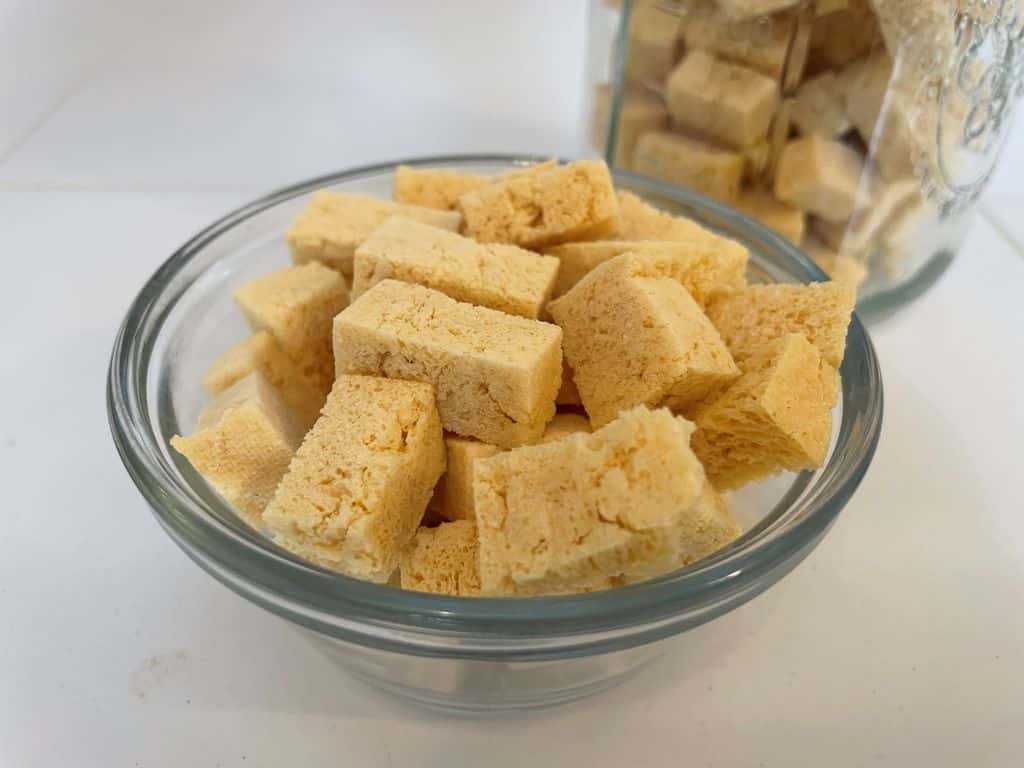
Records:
x=899, y=642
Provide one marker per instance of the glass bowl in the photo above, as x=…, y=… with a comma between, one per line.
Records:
x=464, y=654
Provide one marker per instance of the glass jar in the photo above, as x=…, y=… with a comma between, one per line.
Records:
x=862, y=130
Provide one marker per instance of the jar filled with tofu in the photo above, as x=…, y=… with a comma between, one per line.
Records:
x=862, y=131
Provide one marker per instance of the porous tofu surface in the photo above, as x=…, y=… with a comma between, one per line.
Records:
x=297, y=306
x=245, y=439
x=441, y=189
x=569, y=202
x=329, y=229
x=496, y=375
x=709, y=527
x=434, y=188
x=706, y=268
x=502, y=277
x=359, y=483
x=584, y=512
x=443, y=560
x=261, y=352
x=775, y=417
x=762, y=313
x=634, y=336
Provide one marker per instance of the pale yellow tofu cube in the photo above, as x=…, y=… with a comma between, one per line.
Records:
x=688, y=162
x=570, y=202
x=453, y=495
x=776, y=417
x=443, y=560
x=246, y=438
x=820, y=312
x=820, y=176
x=706, y=268
x=503, y=277
x=588, y=511
x=819, y=107
x=723, y=102
x=356, y=490
x=332, y=226
x=635, y=336
x=261, y=352
x=787, y=220
x=496, y=375
x=297, y=306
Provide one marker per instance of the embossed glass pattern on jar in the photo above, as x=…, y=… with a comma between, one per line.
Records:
x=862, y=130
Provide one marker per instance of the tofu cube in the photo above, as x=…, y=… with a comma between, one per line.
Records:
x=502, y=277
x=496, y=375
x=819, y=107
x=776, y=417
x=787, y=220
x=434, y=188
x=763, y=313
x=331, y=227
x=297, y=306
x=453, y=495
x=722, y=102
x=691, y=163
x=640, y=111
x=760, y=43
x=706, y=268
x=588, y=511
x=441, y=189
x=246, y=438
x=356, y=490
x=819, y=176
x=570, y=202
x=261, y=352
x=443, y=560
x=635, y=336
x=653, y=44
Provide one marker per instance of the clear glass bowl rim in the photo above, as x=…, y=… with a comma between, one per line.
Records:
x=504, y=629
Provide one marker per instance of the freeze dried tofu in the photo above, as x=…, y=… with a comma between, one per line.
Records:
x=443, y=560
x=786, y=220
x=496, y=375
x=820, y=312
x=332, y=226
x=776, y=417
x=503, y=277
x=588, y=511
x=246, y=438
x=707, y=268
x=691, y=163
x=357, y=487
x=819, y=176
x=570, y=202
x=634, y=335
x=722, y=102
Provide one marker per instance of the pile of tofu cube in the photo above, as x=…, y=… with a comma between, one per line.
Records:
x=512, y=385
x=790, y=111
